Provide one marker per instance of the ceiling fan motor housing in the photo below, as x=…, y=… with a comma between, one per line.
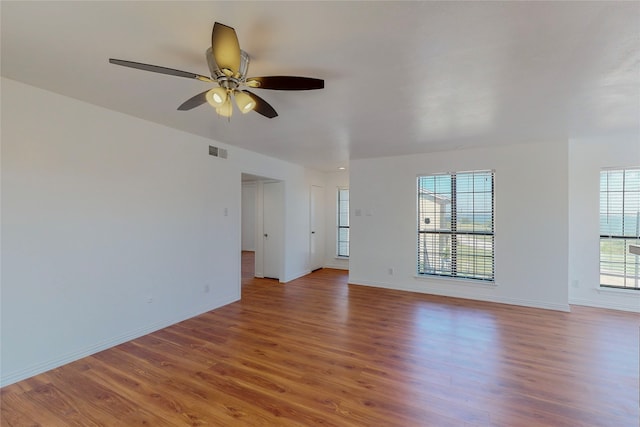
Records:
x=226, y=78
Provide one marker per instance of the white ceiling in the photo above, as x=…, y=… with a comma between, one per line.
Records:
x=400, y=77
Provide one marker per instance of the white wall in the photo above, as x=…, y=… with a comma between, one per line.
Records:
x=531, y=212
x=586, y=159
x=249, y=216
x=334, y=180
x=113, y=227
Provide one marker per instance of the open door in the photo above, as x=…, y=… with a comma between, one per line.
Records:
x=273, y=229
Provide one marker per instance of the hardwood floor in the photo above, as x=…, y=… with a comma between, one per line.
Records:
x=320, y=351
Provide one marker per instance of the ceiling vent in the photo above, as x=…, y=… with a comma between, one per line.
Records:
x=217, y=152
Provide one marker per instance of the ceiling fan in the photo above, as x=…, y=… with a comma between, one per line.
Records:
x=229, y=65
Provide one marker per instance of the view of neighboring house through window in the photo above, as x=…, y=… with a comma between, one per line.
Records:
x=619, y=227
x=455, y=225
x=343, y=222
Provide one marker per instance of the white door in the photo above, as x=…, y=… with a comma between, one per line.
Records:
x=248, y=209
x=316, y=241
x=273, y=228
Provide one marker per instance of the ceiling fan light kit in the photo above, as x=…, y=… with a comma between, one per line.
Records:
x=226, y=109
x=228, y=65
x=244, y=102
x=216, y=97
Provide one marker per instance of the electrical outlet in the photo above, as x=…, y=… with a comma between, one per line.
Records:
x=206, y=289
x=149, y=300
x=390, y=271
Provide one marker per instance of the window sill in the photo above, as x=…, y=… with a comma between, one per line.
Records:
x=346, y=258
x=457, y=280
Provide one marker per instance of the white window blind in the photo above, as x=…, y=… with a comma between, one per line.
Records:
x=456, y=225
x=619, y=227
x=343, y=222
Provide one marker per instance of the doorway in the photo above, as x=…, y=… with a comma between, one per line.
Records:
x=263, y=224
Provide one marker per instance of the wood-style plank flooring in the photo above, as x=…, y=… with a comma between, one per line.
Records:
x=318, y=351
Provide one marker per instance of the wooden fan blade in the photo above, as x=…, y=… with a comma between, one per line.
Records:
x=194, y=101
x=226, y=49
x=159, y=69
x=285, y=83
x=262, y=106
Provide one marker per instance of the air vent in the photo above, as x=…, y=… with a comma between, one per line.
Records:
x=217, y=152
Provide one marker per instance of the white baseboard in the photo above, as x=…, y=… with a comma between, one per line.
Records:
x=633, y=307
x=295, y=276
x=336, y=266
x=532, y=303
x=30, y=371
x=477, y=297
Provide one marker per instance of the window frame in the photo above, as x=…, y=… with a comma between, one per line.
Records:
x=339, y=225
x=629, y=260
x=450, y=247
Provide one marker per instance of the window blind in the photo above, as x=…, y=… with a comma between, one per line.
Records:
x=343, y=222
x=456, y=225
x=619, y=227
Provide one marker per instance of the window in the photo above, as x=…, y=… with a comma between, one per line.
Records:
x=455, y=225
x=619, y=227
x=343, y=222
